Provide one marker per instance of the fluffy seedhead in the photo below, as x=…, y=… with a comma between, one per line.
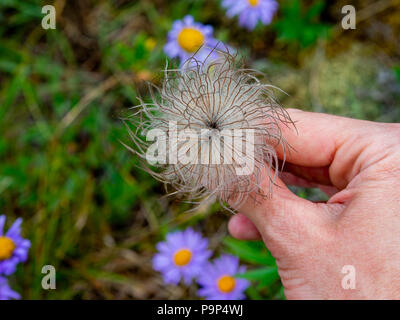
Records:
x=210, y=99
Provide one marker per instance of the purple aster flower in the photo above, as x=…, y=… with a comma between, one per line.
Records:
x=251, y=11
x=182, y=255
x=188, y=38
x=13, y=248
x=5, y=291
x=218, y=281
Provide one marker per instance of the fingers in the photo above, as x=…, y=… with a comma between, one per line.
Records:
x=314, y=175
x=282, y=203
x=293, y=180
x=315, y=137
x=329, y=191
x=283, y=220
x=284, y=206
x=242, y=228
x=330, y=150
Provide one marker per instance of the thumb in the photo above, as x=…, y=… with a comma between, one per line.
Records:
x=285, y=220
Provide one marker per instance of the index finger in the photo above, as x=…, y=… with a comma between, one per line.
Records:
x=315, y=138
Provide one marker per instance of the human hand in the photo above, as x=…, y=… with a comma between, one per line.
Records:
x=358, y=164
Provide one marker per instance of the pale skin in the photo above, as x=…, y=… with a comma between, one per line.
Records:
x=357, y=163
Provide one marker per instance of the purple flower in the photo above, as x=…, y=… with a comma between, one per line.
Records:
x=218, y=281
x=188, y=38
x=13, y=248
x=251, y=11
x=182, y=255
x=5, y=291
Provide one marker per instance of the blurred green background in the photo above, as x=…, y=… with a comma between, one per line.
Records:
x=87, y=209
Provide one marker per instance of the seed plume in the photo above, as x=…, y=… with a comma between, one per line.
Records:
x=209, y=100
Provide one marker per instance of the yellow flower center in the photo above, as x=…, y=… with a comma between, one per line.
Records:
x=253, y=2
x=7, y=247
x=150, y=43
x=182, y=257
x=190, y=39
x=226, y=284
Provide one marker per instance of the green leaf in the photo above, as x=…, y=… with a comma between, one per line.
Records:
x=397, y=73
x=108, y=276
x=250, y=251
x=301, y=26
x=266, y=276
x=315, y=10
